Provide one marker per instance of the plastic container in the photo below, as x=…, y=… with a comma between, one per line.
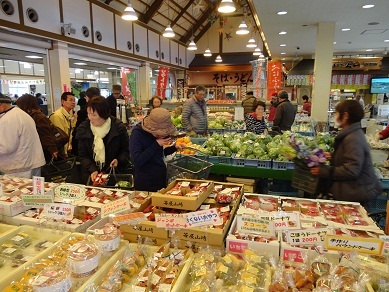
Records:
x=303, y=179
x=107, y=238
x=52, y=279
x=257, y=163
x=83, y=259
x=282, y=165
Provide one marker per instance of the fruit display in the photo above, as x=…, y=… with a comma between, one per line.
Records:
x=225, y=122
x=187, y=146
x=188, y=189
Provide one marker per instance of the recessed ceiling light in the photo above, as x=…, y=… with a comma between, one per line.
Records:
x=283, y=53
x=283, y=59
x=34, y=57
x=368, y=6
x=386, y=41
x=282, y=32
x=334, y=43
x=369, y=50
x=112, y=68
x=345, y=29
x=80, y=63
x=283, y=45
x=282, y=12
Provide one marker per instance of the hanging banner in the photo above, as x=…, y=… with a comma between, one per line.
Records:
x=128, y=84
x=180, y=88
x=162, y=81
x=274, y=77
x=259, y=78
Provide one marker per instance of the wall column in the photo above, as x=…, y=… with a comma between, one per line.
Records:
x=323, y=71
x=144, y=84
x=59, y=75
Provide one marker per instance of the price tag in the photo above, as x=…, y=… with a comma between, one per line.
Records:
x=251, y=224
x=1, y=190
x=293, y=255
x=371, y=246
x=36, y=201
x=306, y=236
x=59, y=211
x=283, y=220
x=130, y=219
x=171, y=221
x=38, y=185
x=203, y=218
x=385, y=239
x=120, y=205
x=237, y=247
x=70, y=192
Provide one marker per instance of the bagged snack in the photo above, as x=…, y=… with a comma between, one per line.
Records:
x=107, y=238
x=113, y=282
x=320, y=266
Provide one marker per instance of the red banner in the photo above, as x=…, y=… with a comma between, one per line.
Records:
x=162, y=81
x=126, y=90
x=274, y=77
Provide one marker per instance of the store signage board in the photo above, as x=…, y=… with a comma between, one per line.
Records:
x=59, y=211
x=38, y=185
x=171, y=221
x=37, y=201
x=115, y=207
x=203, y=218
x=129, y=219
x=372, y=246
x=307, y=237
x=70, y=192
x=252, y=224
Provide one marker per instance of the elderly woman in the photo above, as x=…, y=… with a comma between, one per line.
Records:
x=255, y=121
x=29, y=104
x=102, y=140
x=150, y=142
x=155, y=102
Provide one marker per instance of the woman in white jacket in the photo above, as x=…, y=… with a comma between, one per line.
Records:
x=21, y=151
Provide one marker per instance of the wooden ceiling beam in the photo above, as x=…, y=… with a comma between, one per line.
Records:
x=183, y=10
x=153, y=9
x=184, y=39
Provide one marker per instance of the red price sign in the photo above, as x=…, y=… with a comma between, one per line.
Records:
x=237, y=247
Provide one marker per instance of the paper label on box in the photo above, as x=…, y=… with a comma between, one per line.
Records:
x=119, y=194
x=165, y=287
x=38, y=185
x=283, y=220
x=106, y=201
x=91, y=210
x=218, y=187
x=76, y=221
x=226, y=191
x=237, y=247
x=155, y=279
x=234, y=189
x=95, y=191
x=171, y=221
x=9, y=250
x=15, y=199
x=94, y=199
x=204, y=184
x=130, y=219
x=225, y=209
x=176, y=192
x=250, y=224
x=37, y=200
x=371, y=246
x=143, y=195
x=25, y=191
x=185, y=184
x=4, y=198
x=203, y=218
x=59, y=211
x=193, y=194
x=108, y=192
x=120, y=205
x=205, y=207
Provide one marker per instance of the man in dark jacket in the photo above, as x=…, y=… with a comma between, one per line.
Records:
x=112, y=99
x=194, y=114
x=285, y=113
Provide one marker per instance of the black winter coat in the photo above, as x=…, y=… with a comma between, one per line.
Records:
x=116, y=147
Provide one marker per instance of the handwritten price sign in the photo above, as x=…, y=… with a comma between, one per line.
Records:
x=251, y=224
x=38, y=185
x=36, y=201
x=70, y=192
x=114, y=207
x=171, y=221
x=130, y=219
x=283, y=220
x=203, y=218
x=371, y=246
x=306, y=236
x=59, y=211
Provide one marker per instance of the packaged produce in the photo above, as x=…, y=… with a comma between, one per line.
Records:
x=83, y=259
x=320, y=266
x=52, y=279
x=101, y=179
x=113, y=282
x=9, y=250
x=21, y=239
x=107, y=238
x=188, y=189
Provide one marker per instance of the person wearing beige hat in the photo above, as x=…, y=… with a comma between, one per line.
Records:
x=150, y=142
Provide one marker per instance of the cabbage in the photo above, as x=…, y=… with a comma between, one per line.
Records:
x=224, y=151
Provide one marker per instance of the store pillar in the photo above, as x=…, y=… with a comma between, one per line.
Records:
x=323, y=71
x=59, y=74
x=144, y=84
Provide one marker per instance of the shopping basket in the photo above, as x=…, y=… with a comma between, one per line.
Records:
x=57, y=171
x=123, y=181
x=303, y=179
x=187, y=167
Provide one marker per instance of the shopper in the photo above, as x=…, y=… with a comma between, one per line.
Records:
x=21, y=153
x=359, y=98
x=82, y=100
x=112, y=99
x=29, y=104
x=306, y=105
x=82, y=115
x=255, y=121
x=273, y=106
x=285, y=113
x=248, y=102
x=155, y=102
x=39, y=98
x=194, y=114
x=102, y=141
x=351, y=171
x=149, y=144
x=64, y=118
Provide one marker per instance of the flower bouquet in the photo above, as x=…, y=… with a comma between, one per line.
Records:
x=308, y=153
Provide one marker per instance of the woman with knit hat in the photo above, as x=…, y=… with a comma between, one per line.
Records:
x=149, y=143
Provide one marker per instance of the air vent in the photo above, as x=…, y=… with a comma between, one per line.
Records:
x=176, y=60
x=98, y=35
x=7, y=7
x=129, y=45
x=180, y=61
x=374, y=31
x=32, y=15
x=162, y=56
x=137, y=48
x=157, y=54
x=85, y=31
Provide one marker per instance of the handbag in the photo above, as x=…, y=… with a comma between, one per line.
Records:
x=60, y=137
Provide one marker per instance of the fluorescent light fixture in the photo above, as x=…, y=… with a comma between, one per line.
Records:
x=283, y=45
x=192, y=46
x=283, y=12
x=96, y=73
x=251, y=43
x=80, y=64
x=242, y=29
x=257, y=51
x=207, y=53
x=226, y=6
x=112, y=68
x=129, y=13
x=282, y=32
x=218, y=59
x=77, y=71
x=27, y=65
x=368, y=6
x=334, y=43
x=168, y=33
x=283, y=53
x=386, y=41
x=34, y=57
x=369, y=50
x=345, y=29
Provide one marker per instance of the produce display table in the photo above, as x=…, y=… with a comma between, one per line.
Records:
x=252, y=172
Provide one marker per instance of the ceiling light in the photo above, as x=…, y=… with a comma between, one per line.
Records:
x=251, y=43
x=168, y=33
x=34, y=57
x=283, y=45
x=334, y=43
x=27, y=65
x=282, y=12
x=96, y=73
x=257, y=51
x=218, y=59
x=112, y=68
x=192, y=46
x=369, y=50
x=368, y=6
x=282, y=32
x=242, y=28
x=283, y=53
x=129, y=13
x=283, y=59
x=386, y=41
x=80, y=64
x=77, y=71
x=226, y=6
x=345, y=29
x=207, y=53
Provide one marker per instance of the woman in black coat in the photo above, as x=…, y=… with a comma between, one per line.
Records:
x=102, y=141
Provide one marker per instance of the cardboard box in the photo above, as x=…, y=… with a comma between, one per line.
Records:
x=146, y=228
x=250, y=185
x=12, y=208
x=160, y=199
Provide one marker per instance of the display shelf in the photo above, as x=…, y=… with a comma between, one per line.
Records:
x=252, y=172
x=5, y=229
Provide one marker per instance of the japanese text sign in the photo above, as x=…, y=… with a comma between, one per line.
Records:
x=274, y=76
x=283, y=220
x=162, y=81
x=37, y=201
x=117, y=206
x=171, y=221
x=203, y=218
x=59, y=211
x=371, y=246
x=251, y=224
x=130, y=219
x=70, y=192
x=293, y=255
x=307, y=236
x=237, y=247
x=38, y=185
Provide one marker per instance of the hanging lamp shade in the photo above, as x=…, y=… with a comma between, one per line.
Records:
x=168, y=33
x=129, y=13
x=226, y=6
x=207, y=53
x=242, y=29
x=257, y=51
x=251, y=43
x=218, y=59
x=192, y=46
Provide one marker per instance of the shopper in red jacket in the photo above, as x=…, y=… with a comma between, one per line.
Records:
x=383, y=134
x=273, y=107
